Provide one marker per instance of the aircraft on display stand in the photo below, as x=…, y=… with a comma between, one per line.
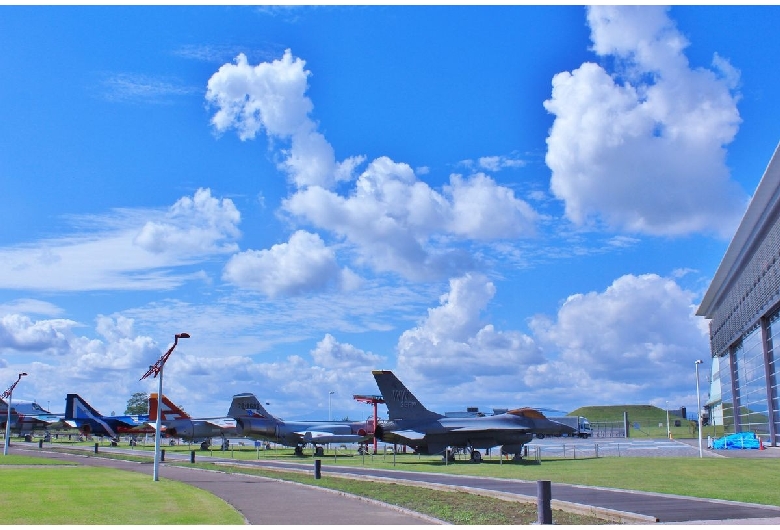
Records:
x=253, y=421
x=411, y=424
x=27, y=416
x=178, y=424
x=79, y=414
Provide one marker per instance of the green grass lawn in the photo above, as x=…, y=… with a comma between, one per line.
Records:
x=42, y=491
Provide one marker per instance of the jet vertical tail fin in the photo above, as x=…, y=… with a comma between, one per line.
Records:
x=77, y=408
x=86, y=418
x=401, y=403
x=169, y=410
x=247, y=405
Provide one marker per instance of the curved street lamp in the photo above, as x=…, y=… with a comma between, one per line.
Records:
x=157, y=369
x=668, y=430
x=8, y=394
x=698, y=404
x=329, y=396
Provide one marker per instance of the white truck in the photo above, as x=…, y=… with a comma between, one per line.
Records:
x=580, y=425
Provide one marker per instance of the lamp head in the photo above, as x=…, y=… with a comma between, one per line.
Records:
x=23, y=373
x=699, y=361
x=182, y=335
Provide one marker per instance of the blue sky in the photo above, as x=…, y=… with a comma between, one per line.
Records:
x=507, y=206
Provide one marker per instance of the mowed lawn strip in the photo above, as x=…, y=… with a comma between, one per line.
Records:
x=72, y=494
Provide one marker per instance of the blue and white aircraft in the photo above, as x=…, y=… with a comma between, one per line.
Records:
x=27, y=416
x=79, y=414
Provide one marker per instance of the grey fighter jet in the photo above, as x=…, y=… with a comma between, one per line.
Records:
x=411, y=424
x=253, y=421
x=178, y=424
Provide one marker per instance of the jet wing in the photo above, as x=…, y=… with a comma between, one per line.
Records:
x=409, y=435
x=314, y=435
x=131, y=421
x=45, y=418
x=491, y=430
x=222, y=423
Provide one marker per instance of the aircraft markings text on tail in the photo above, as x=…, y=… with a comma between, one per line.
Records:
x=411, y=424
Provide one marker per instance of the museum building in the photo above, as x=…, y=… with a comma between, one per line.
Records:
x=743, y=306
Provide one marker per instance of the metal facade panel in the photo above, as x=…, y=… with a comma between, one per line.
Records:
x=753, y=293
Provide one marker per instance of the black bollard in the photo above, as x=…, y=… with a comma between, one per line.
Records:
x=40, y=443
x=96, y=447
x=162, y=455
x=543, y=497
x=192, y=457
x=317, y=469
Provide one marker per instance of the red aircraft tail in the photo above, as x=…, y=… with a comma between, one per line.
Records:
x=170, y=411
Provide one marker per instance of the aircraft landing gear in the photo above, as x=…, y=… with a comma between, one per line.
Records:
x=476, y=457
x=298, y=450
x=319, y=451
x=204, y=446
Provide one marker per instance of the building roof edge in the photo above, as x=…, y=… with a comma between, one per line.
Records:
x=765, y=198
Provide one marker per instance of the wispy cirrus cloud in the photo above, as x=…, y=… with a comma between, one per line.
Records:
x=493, y=163
x=141, y=88
x=135, y=250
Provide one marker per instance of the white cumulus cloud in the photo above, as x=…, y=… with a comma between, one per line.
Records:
x=453, y=344
x=638, y=336
x=303, y=264
x=193, y=225
x=332, y=354
x=641, y=148
x=20, y=333
x=271, y=97
x=395, y=221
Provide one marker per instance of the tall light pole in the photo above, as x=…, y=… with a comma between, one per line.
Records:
x=329, y=396
x=698, y=404
x=668, y=431
x=8, y=394
x=157, y=369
